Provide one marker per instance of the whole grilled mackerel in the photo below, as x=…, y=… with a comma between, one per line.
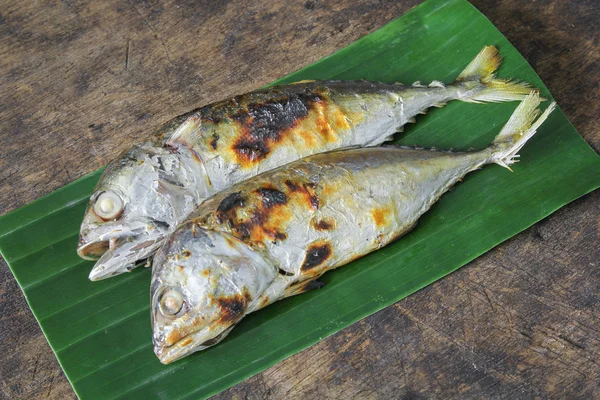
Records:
x=273, y=235
x=149, y=189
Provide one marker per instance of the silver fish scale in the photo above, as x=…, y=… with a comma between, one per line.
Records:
x=382, y=114
x=364, y=199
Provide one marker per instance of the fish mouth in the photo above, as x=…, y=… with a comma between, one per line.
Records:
x=95, y=249
x=124, y=255
x=190, y=343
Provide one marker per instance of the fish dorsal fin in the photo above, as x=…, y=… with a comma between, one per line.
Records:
x=436, y=84
x=187, y=134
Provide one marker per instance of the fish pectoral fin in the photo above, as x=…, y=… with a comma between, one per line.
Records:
x=303, y=287
x=188, y=133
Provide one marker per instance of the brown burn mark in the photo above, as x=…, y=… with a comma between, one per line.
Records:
x=304, y=286
x=263, y=213
x=307, y=190
x=186, y=253
x=324, y=224
x=271, y=197
x=284, y=272
x=264, y=124
x=274, y=234
x=233, y=307
x=260, y=227
x=230, y=202
x=264, y=301
x=292, y=186
x=262, y=218
x=280, y=235
x=282, y=119
x=381, y=216
x=308, y=137
x=214, y=141
x=173, y=337
x=316, y=254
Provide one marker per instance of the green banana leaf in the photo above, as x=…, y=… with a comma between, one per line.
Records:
x=101, y=332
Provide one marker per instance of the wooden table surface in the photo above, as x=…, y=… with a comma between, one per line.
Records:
x=82, y=80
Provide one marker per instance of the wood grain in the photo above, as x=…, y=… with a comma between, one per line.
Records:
x=83, y=80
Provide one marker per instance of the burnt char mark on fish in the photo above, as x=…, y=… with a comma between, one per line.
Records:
x=292, y=186
x=316, y=255
x=186, y=253
x=261, y=220
x=251, y=149
x=214, y=140
x=276, y=234
x=306, y=189
x=311, y=285
x=233, y=307
x=381, y=216
x=265, y=123
x=272, y=197
x=231, y=201
x=284, y=272
x=324, y=224
x=304, y=286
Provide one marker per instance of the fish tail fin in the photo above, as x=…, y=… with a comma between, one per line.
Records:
x=521, y=126
x=479, y=79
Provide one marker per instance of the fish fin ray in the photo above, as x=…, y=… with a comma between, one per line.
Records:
x=479, y=79
x=521, y=126
x=188, y=133
x=436, y=84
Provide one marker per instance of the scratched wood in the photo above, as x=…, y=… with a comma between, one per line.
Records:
x=83, y=80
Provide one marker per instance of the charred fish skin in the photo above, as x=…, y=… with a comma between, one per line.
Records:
x=252, y=133
x=329, y=209
x=304, y=219
x=146, y=192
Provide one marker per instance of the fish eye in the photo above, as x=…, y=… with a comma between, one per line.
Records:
x=108, y=205
x=171, y=302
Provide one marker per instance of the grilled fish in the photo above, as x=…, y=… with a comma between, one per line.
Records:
x=274, y=235
x=150, y=188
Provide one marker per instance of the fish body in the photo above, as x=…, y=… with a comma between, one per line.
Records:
x=147, y=191
x=274, y=235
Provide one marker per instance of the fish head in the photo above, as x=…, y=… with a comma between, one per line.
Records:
x=139, y=197
x=203, y=283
